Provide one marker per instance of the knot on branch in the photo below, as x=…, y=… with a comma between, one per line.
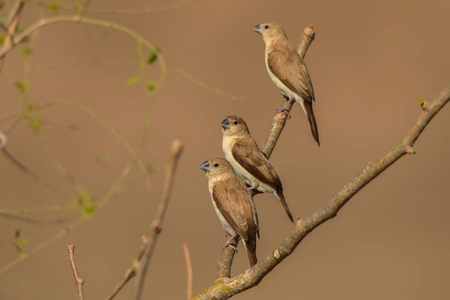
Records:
x=156, y=227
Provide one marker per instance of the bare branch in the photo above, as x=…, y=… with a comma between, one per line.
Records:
x=140, y=265
x=78, y=281
x=187, y=258
x=156, y=226
x=131, y=272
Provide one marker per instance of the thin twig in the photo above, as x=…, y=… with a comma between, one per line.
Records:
x=78, y=281
x=187, y=258
x=131, y=272
x=157, y=223
x=225, y=288
x=13, y=22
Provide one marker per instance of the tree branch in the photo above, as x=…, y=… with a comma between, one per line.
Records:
x=156, y=226
x=187, y=258
x=140, y=266
x=224, y=287
x=78, y=281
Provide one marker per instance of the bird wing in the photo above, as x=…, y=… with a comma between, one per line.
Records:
x=232, y=199
x=250, y=157
x=290, y=69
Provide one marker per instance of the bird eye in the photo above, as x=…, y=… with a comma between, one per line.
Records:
x=266, y=26
x=235, y=122
x=216, y=165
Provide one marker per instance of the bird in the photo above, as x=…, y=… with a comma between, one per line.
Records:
x=288, y=71
x=248, y=161
x=233, y=204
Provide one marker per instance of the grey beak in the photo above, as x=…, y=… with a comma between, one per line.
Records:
x=205, y=166
x=257, y=29
x=225, y=124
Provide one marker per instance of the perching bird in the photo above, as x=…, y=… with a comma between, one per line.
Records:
x=233, y=204
x=248, y=161
x=288, y=71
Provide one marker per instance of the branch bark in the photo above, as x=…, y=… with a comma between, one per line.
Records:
x=78, y=281
x=225, y=287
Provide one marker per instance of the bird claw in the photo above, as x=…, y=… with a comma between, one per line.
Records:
x=228, y=245
x=283, y=109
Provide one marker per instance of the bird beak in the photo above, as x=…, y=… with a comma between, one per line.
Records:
x=257, y=28
x=225, y=124
x=205, y=166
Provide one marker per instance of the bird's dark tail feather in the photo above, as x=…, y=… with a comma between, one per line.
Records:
x=312, y=121
x=251, y=252
x=286, y=207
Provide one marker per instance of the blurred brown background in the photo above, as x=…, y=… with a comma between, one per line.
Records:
x=370, y=63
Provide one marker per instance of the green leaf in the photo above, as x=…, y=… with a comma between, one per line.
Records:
x=2, y=38
x=133, y=80
x=153, y=56
x=54, y=7
x=36, y=122
x=26, y=52
x=23, y=86
x=86, y=205
x=151, y=85
x=77, y=6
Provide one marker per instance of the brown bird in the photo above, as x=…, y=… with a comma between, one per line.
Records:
x=248, y=160
x=288, y=71
x=233, y=204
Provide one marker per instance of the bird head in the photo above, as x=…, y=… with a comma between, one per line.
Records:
x=234, y=126
x=270, y=31
x=217, y=167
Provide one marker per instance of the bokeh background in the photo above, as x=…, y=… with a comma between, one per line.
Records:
x=370, y=63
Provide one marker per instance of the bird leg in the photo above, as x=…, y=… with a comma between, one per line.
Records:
x=251, y=188
x=228, y=243
x=283, y=108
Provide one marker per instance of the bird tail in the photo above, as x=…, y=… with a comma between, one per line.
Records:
x=251, y=251
x=312, y=121
x=280, y=197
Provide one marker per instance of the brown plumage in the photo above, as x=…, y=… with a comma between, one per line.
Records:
x=233, y=204
x=248, y=161
x=288, y=70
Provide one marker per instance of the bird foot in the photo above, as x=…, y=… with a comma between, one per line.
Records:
x=228, y=243
x=251, y=188
x=283, y=109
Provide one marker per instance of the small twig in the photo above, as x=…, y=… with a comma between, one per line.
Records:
x=156, y=225
x=12, y=23
x=187, y=258
x=131, y=272
x=78, y=281
x=306, y=40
